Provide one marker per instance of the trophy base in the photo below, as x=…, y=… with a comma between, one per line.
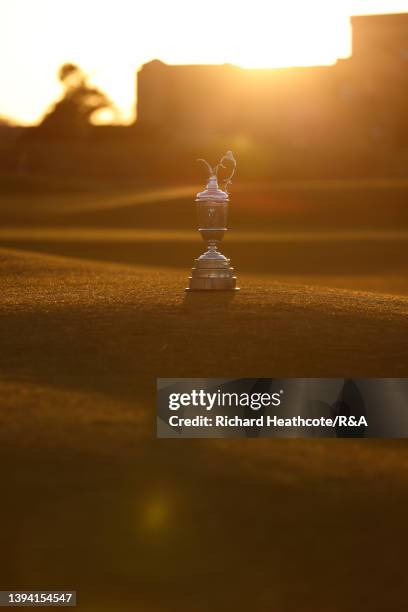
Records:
x=212, y=274
x=211, y=287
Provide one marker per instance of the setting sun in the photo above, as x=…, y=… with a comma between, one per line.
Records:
x=111, y=41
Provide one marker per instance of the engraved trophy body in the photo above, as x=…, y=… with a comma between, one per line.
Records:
x=212, y=269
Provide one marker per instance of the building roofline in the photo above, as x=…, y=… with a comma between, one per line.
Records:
x=383, y=17
x=160, y=64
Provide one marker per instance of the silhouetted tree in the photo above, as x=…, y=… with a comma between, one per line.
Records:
x=6, y=121
x=70, y=116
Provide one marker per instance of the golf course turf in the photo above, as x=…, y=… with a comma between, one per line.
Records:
x=92, y=501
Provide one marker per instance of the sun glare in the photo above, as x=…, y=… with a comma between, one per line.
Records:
x=112, y=42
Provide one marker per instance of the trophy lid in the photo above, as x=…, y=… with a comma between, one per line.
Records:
x=212, y=191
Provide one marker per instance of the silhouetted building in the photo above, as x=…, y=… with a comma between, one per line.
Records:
x=362, y=97
x=376, y=77
x=380, y=38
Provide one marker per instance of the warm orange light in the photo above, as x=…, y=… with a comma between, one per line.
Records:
x=112, y=40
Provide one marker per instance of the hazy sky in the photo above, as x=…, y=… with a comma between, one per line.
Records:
x=110, y=40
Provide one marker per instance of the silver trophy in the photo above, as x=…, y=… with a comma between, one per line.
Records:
x=212, y=270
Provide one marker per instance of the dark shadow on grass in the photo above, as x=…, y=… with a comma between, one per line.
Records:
x=120, y=350
x=285, y=258
x=215, y=300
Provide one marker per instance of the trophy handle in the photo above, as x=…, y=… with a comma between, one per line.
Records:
x=229, y=156
x=210, y=169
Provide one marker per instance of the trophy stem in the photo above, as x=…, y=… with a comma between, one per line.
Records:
x=212, y=249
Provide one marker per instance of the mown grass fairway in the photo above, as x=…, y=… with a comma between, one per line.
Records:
x=93, y=309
